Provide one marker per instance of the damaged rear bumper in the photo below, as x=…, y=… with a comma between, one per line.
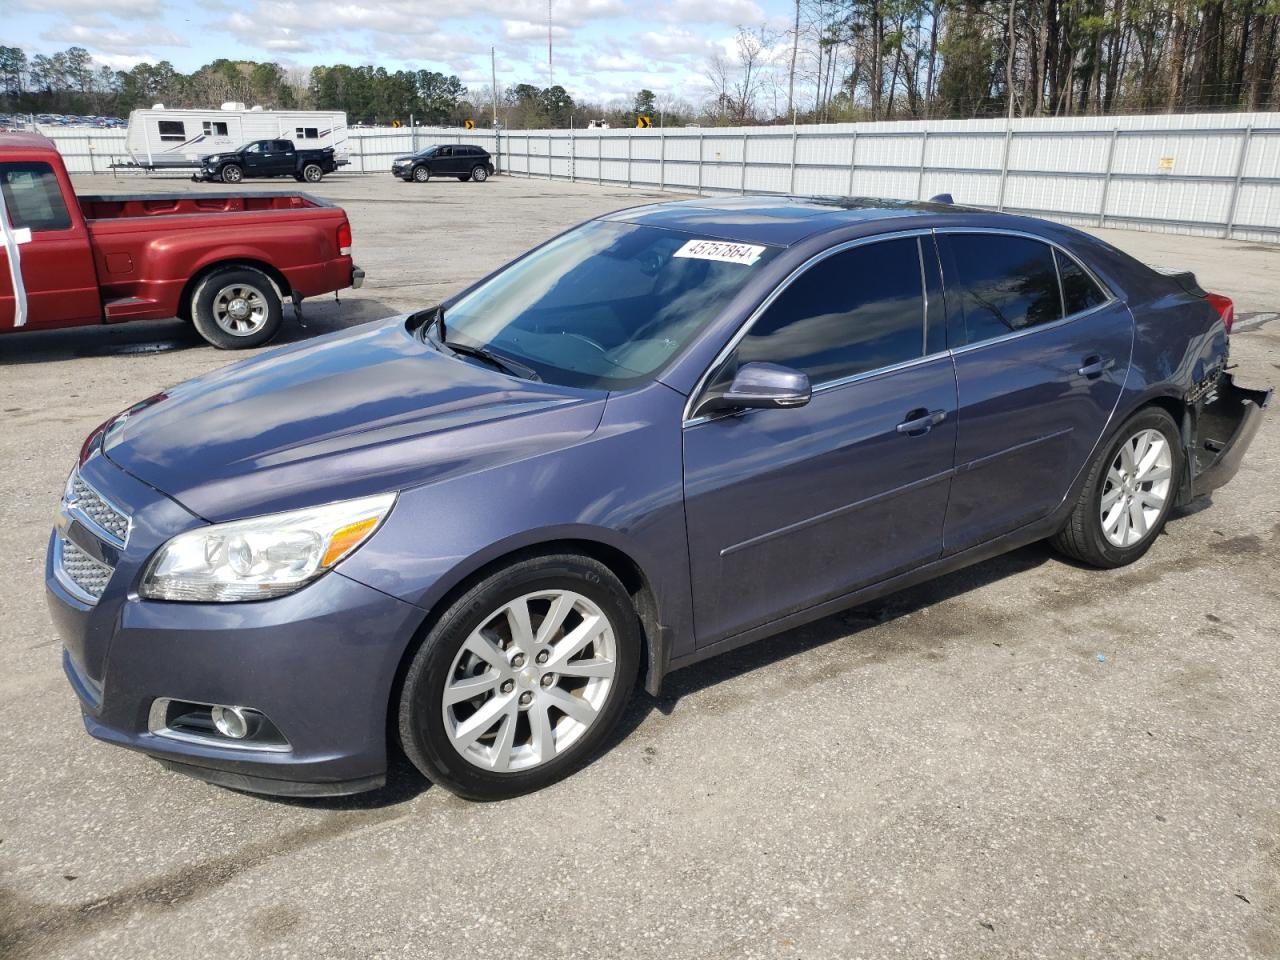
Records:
x=1224, y=429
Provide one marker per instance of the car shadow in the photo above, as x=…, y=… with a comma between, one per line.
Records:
x=319, y=316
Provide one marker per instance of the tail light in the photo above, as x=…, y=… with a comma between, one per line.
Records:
x=1226, y=309
x=344, y=243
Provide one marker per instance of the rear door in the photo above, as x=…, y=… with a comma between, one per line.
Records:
x=788, y=508
x=282, y=160
x=56, y=266
x=1041, y=352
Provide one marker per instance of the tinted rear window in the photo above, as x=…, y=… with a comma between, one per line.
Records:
x=1002, y=284
x=853, y=312
x=1079, y=291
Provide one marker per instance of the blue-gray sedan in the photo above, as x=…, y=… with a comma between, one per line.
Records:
x=472, y=531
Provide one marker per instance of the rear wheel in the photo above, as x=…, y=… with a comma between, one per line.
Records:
x=232, y=173
x=312, y=173
x=421, y=174
x=1127, y=498
x=235, y=308
x=522, y=678
x=479, y=174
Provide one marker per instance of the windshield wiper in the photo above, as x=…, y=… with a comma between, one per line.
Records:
x=496, y=360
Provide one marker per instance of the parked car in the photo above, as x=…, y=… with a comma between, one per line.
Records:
x=267, y=158
x=226, y=262
x=463, y=161
x=661, y=435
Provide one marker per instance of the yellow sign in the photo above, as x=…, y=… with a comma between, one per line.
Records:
x=396, y=124
x=469, y=124
x=1166, y=163
x=643, y=122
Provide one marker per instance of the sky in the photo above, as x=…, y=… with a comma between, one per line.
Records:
x=603, y=49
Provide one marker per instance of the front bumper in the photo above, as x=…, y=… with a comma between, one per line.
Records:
x=1224, y=430
x=319, y=663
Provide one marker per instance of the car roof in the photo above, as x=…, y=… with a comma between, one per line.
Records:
x=780, y=220
x=26, y=141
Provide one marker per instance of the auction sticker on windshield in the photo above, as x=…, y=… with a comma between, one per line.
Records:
x=744, y=253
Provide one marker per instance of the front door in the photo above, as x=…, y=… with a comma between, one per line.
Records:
x=1041, y=354
x=56, y=265
x=787, y=508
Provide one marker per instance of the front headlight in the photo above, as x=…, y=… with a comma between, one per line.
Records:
x=264, y=557
x=211, y=159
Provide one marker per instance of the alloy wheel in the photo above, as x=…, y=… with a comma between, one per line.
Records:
x=1137, y=488
x=239, y=309
x=529, y=681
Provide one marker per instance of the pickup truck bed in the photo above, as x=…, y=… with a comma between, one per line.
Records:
x=298, y=240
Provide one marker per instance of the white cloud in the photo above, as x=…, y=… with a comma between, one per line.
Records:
x=137, y=44
x=523, y=30
x=731, y=12
x=80, y=10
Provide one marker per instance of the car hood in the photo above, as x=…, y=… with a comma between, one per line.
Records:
x=406, y=158
x=354, y=413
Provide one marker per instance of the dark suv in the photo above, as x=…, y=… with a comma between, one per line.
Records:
x=462, y=161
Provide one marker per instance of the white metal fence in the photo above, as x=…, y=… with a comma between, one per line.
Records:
x=1209, y=174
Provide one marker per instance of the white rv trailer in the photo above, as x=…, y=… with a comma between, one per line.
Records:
x=160, y=138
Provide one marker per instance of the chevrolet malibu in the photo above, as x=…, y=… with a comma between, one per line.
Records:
x=469, y=533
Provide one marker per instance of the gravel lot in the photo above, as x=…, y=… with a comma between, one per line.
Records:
x=1024, y=759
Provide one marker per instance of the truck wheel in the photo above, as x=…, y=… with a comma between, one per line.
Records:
x=421, y=174
x=479, y=174
x=232, y=173
x=235, y=308
x=312, y=173
x=1126, y=500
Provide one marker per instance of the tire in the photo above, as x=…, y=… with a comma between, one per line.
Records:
x=312, y=173
x=232, y=173
x=229, y=325
x=460, y=744
x=421, y=174
x=479, y=174
x=1090, y=535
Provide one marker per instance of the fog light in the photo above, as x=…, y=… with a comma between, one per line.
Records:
x=230, y=722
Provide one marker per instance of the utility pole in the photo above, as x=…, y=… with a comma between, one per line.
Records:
x=493, y=66
x=551, y=70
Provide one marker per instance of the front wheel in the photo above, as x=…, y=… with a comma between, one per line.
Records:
x=312, y=173
x=1127, y=498
x=232, y=173
x=522, y=678
x=421, y=174
x=479, y=174
x=235, y=308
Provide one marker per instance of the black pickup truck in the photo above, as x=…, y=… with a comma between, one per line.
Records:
x=267, y=158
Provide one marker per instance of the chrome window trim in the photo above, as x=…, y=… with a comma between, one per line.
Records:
x=689, y=421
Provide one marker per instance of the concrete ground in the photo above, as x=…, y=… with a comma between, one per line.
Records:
x=1024, y=759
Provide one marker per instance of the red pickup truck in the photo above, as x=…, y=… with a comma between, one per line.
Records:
x=226, y=262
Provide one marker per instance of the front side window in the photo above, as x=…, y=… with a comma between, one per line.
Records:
x=999, y=284
x=1079, y=290
x=32, y=197
x=606, y=305
x=173, y=130
x=855, y=311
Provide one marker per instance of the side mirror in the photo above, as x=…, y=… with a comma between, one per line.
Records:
x=760, y=385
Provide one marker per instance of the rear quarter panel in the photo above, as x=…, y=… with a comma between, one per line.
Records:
x=153, y=260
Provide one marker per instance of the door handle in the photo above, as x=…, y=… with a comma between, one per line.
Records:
x=921, y=421
x=1096, y=366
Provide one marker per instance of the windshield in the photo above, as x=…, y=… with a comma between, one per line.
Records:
x=427, y=152
x=605, y=305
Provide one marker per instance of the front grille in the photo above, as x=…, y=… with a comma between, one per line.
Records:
x=107, y=520
x=81, y=572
